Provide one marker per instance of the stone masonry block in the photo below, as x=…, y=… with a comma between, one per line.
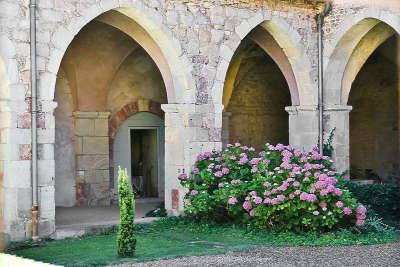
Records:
x=88, y=162
x=84, y=127
x=46, y=202
x=25, y=151
x=78, y=145
x=17, y=174
x=24, y=200
x=101, y=127
x=46, y=172
x=95, y=145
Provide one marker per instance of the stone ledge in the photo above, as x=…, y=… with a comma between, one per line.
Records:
x=91, y=114
x=338, y=108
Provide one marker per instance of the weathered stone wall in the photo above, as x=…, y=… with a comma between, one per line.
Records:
x=92, y=157
x=374, y=120
x=96, y=78
x=137, y=78
x=192, y=43
x=64, y=150
x=257, y=105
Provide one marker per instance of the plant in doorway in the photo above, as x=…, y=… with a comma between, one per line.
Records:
x=126, y=231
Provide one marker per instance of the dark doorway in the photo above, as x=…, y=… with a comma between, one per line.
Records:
x=144, y=162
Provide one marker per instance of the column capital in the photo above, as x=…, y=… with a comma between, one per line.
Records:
x=47, y=105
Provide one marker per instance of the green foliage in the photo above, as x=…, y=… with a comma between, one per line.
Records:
x=375, y=224
x=384, y=199
x=278, y=188
x=328, y=145
x=126, y=232
x=177, y=237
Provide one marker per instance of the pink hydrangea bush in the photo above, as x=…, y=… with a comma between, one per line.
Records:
x=279, y=187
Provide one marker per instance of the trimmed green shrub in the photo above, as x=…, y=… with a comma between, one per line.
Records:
x=384, y=199
x=279, y=188
x=126, y=231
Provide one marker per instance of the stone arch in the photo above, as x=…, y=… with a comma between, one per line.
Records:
x=287, y=53
x=122, y=115
x=356, y=39
x=264, y=40
x=131, y=109
x=158, y=39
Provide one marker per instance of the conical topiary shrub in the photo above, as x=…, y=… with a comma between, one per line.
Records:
x=126, y=231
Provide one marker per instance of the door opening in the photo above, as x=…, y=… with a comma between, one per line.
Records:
x=144, y=162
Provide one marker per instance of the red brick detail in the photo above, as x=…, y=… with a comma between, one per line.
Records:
x=128, y=110
x=175, y=198
x=25, y=152
x=81, y=199
x=124, y=113
x=24, y=121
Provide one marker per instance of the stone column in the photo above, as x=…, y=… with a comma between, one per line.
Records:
x=337, y=116
x=15, y=170
x=189, y=130
x=92, y=158
x=46, y=167
x=225, y=128
x=175, y=142
x=303, y=126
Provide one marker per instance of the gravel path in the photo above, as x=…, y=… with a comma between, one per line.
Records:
x=374, y=255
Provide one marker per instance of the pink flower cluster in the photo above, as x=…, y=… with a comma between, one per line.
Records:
x=195, y=170
x=235, y=181
x=295, y=175
x=203, y=156
x=243, y=159
x=308, y=197
x=232, y=201
x=183, y=176
x=361, y=215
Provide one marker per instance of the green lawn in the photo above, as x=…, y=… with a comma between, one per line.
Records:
x=174, y=237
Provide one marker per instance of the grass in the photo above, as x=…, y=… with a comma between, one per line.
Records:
x=174, y=237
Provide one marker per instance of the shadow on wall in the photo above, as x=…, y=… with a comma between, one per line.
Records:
x=257, y=104
x=374, y=120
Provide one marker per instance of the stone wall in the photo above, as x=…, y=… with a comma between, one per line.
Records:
x=92, y=158
x=137, y=78
x=192, y=44
x=64, y=149
x=95, y=78
x=257, y=105
x=374, y=120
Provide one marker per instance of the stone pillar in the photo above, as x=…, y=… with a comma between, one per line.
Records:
x=92, y=158
x=175, y=142
x=225, y=128
x=189, y=130
x=15, y=170
x=337, y=117
x=46, y=167
x=303, y=126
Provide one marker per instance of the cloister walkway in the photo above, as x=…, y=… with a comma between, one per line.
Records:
x=76, y=221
